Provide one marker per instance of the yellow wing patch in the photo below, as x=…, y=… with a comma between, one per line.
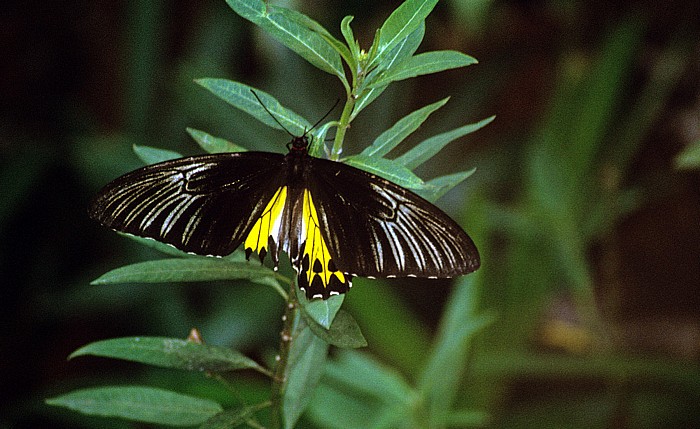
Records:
x=318, y=275
x=264, y=236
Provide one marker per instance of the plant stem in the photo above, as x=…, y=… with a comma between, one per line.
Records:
x=279, y=380
x=343, y=125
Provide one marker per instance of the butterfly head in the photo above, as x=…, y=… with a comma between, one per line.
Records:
x=299, y=144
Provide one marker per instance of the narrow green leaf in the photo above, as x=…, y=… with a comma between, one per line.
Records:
x=312, y=25
x=429, y=147
x=425, y=63
x=322, y=311
x=440, y=380
x=349, y=36
x=689, y=158
x=403, y=50
x=439, y=186
x=213, y=144
x=390, y=138
x=144, y=404
x=404, y=20
x=344, y=332
x=307, y=358
x=364, y=394
x=170, y=353
x=252, y=10
x=233, y=417
x=154, y=155
x=241, y=97
x=387, y=169
x=360, y=373
x=306, y=43
x=187, y=270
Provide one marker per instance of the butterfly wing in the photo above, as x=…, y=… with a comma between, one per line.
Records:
x=376, y=228
x=201, y=204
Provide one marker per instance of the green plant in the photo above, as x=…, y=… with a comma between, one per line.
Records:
x=310, y=327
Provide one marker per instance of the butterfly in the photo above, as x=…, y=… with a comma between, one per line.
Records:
x=334, y=221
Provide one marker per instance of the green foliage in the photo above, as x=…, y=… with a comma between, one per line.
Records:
x=303, y=376
x=144, y=404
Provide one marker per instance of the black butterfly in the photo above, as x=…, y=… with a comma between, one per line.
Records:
x=333, y=220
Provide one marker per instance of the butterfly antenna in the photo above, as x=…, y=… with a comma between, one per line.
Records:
x=326, y=115
x=271, y=115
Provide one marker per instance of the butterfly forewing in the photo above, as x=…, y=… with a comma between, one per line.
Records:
x=202, y=204
x=378, y=229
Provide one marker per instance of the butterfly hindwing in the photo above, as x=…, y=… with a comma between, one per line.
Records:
x=376, y=228
x=202, y=204
x=318, y=273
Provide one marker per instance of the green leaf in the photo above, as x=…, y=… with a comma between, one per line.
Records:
x=360, y=373
x=402, y=22
x=403, y=50
x=241, y=97
x=387, y=169
x=430, y=147
x=306, y=43
x=213, y=144
x=343, y=333
x=322, y=311
x=307, y=357
x=170, y=353
x=312, y=25
x=425, y=63
x=390, y=138
x=233, y=417
x=144, y=404
x=350, y=39
x=440, y=380
x=439, y=186
x=690, y=157
x=154, y=155
x=187, y=270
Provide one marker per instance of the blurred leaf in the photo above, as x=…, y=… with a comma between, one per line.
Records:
x=399, y=53
x=213, y=144
x=357, y=372
x=322, y=311
x=170, y=353
x=187, y=270
x=241, y=97
x=435, y=188
x=356, y=392
x=402, y=22
x=599, y=100
x=307, y=357
x=276, y=21
x=387, y=169
x=233, y=417
x=425, y=63
x=144, y=404
x=152, y=155
x=431, y=146
x=390, y=138
x=442, y=375
x=690, y=157
x=466, y=418
x=343, y=333
x=393, y=329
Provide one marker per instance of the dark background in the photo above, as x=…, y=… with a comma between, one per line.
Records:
x=81, y=81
